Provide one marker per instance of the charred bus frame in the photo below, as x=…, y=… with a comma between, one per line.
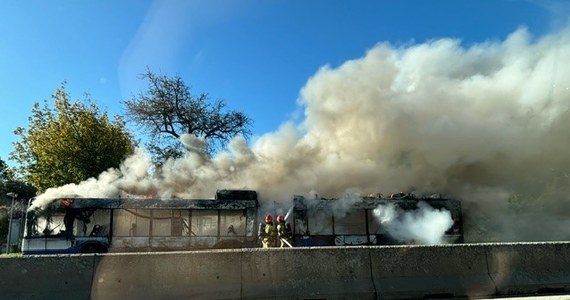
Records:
x=335, y=222
x=90, y=225
x=228, y=221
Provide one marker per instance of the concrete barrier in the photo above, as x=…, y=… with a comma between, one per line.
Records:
x=530, y=268
x=430, y=271
x=305, y=273
x=169, y=275
x=391, y=272
x=234, y=274
x=49, y=277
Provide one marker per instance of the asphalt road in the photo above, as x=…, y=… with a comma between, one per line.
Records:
x=553, y=297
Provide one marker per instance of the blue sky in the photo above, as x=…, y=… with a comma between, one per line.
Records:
x=256, y=55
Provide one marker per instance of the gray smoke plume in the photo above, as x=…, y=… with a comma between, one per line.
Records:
x=487, y=123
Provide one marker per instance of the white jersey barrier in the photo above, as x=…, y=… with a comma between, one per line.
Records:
x=392, y=272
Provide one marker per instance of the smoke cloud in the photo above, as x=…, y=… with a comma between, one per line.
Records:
x=487, y=123
x=425, y=225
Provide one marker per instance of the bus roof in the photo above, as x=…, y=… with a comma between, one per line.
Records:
x=367, y=202
x=117, y=203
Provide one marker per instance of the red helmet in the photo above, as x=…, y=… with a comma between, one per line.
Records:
x=280, y=218
x=268, y=219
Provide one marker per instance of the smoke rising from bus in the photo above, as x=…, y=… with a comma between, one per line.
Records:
x=425, y=225
x=488, y=123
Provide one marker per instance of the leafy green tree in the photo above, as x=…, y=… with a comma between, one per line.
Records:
x=69, y=142
x=167, y=110
x=5, y=177
x=5, y=172
x=3, y=224
x=10, y=184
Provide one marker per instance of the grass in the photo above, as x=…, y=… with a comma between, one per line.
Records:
x=4, y=255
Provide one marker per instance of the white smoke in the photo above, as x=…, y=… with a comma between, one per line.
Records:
x=132, y=176
x=488, y=123
x=425, y=225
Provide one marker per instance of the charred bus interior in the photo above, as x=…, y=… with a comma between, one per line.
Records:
x=336, y=222
x=86, y=225
x=230, y=220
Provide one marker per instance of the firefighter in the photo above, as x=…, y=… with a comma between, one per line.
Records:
x=283, y=232
x=268, y=233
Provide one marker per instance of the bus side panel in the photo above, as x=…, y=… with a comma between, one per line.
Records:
x=350, y=240
x=130, y=244
x=309, y=241
x=169, y=243
x=203, y=242
x=135, y=244
x=39, y=245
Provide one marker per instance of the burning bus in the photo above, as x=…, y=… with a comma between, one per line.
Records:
x=230, y=220
x=377, y=220
x=94, y=225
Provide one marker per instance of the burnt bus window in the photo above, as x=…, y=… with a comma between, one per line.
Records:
x=353, y=222
x=143, y=223
x=320, y=222
x=232, y=223
x=204, y=222
x=132, y=222
x=100, y=223
x=177, y=225
x=184, y=222
x=166, y=222
x=91, y=222
x=300, y=217
x=374, y=226
x=122, y=222
x=49, y=225
x=162, y=222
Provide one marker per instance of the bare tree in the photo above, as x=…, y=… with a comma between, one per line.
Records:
x=167, y=110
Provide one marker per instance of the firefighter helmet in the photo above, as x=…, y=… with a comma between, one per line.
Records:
x=280, y=218
x=67, y=202
x=268, y=219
